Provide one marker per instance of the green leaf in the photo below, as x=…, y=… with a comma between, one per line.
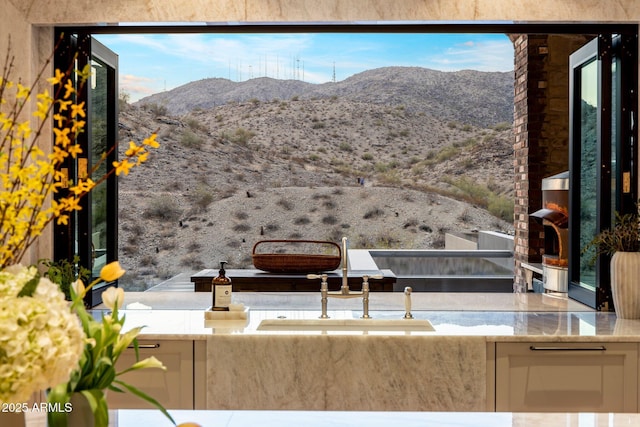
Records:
x=98, y=405
x=125, y=340
x=146, y=397
x=107, y=376
x=59, y=395
x=30, y=287
x=116, y=389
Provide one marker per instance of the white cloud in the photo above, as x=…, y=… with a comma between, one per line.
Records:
x=482, y=56
x=138, y=86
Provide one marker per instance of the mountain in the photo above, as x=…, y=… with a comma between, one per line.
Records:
x=470, y=97
x=390, y=158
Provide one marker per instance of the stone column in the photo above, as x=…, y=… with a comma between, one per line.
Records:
x=541, y=133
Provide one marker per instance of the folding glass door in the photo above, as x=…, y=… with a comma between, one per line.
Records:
x=603, y=87
x=91, y=235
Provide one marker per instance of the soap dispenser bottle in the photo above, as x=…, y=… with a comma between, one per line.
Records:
x=221, y=289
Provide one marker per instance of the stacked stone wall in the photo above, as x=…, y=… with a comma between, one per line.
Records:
x=541, y=134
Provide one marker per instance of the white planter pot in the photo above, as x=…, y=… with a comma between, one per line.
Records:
x=625, y=284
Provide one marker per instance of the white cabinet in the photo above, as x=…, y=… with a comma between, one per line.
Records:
x=173, y=388
x=561, y=377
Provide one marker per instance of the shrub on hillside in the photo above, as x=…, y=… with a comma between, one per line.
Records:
x=190, y=140
x=501, y=207
x=240, y=136
x=163, y=208
x=373, y=213
x=202, y=197
x=156, y=110
x=195, y=124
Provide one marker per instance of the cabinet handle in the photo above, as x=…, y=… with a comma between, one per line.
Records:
x=595, y=348
x=146, y=346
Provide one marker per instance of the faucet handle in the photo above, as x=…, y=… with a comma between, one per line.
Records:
x=407, y=302
x=323, y=285
x=366, y=277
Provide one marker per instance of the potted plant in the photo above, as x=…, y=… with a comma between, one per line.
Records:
x=622, y=243
x=95, y=373
x=64, y=273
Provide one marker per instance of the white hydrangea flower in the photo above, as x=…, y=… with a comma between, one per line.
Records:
x=41, y=340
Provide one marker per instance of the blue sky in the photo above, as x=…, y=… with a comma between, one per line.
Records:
x=153, y=63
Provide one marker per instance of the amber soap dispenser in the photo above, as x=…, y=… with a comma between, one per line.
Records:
x=221, y=289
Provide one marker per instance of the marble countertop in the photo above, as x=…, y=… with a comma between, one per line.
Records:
x=446, y=301
x=498, y=317
x=135, y=418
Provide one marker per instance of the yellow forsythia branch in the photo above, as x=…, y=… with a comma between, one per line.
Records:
x=28, y=175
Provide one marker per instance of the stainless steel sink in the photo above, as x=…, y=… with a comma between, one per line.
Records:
x=345, y=325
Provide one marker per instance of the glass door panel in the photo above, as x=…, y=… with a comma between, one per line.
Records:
x=98, y=118
x=91, y=237
x=101, y=237
x=589, y=169
x=603, y=96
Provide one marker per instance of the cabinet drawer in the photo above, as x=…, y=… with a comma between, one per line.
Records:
x=173, y=388
x=560, y=377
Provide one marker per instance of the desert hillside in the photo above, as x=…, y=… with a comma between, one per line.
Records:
x=386, y=170
x=472, y=97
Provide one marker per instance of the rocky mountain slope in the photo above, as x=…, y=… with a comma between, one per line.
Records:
x=471, y=97
x=387, y=168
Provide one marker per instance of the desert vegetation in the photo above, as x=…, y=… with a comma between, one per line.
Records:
x=385, y=173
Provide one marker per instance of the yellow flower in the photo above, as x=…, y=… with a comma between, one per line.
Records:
x=151, y=141
x=78, y=110
x=23, y=91
x=142, y=158
x=63, y=220
x=42, y=111
x=133, y=150
x=59, y=119
x=28, y=175
x=58, y=155
x=62, y=137
x=64, y=105
x=59, y=75
x=111, y=272
x=24, y=129
x=122, y=167
x=75, y=150
x=45, y=97
x=70, y=204
x=83, y=187
x=78, y=126
x=69, y=89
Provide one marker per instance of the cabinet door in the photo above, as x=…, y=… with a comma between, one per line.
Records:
x=173, y=388
x=561, y=377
